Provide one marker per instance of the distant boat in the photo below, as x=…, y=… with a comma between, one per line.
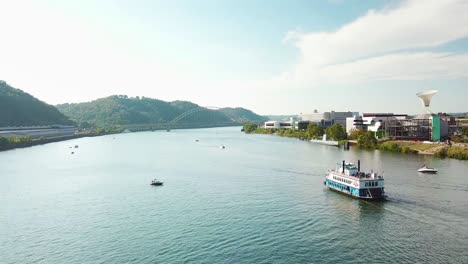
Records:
x=76, y=146
x=196, y=140
x=426, y=169
x=222, y=147
x=324, y=141
x=156, y=182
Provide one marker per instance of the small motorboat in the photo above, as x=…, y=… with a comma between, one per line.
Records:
x=425, y=169
x=222, y=147
x=156, y=182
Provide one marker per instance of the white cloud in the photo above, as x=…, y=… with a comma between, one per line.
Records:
x=400, y=66
x=387, y=44
x=63, y=56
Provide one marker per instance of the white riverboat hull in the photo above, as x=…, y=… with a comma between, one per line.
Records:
x=325, y=142
x=427, y=170
x=351, y=182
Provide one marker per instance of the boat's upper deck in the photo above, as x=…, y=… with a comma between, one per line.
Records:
x=351, y=171
x=361, y=176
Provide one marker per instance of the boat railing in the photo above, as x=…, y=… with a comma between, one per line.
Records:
x=360, y=175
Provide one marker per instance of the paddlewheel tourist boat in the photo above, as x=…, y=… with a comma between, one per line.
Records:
x=350, y=180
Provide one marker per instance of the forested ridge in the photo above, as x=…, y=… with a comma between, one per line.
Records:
x=18, y=108
x=124, y=110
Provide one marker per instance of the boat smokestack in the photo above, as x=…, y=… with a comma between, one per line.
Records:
x=359, y=165
x=343, y=166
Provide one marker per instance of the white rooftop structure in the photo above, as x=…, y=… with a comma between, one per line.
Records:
x=426, y=98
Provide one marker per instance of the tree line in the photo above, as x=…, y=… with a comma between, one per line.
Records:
x=335, y=132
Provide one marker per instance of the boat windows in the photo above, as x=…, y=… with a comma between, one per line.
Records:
x=372, y=184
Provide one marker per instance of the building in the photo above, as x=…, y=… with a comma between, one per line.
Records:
x=455, y=122
x=281, y=124
x=340, y=117
x=401, y=126
x=325, y=119
x=372, y=122
x=427, y=127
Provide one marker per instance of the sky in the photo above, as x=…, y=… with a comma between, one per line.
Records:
x=270, y=56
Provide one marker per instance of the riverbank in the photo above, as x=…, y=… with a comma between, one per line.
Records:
x=25, y=142
x=441, y=150
x=438, y=149
x=8, y=143
x=265, y=196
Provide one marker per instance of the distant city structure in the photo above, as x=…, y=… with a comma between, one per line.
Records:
x=375, y=122
x=426, y=126
x=426, y=98
x=291, y=124
x=325, y=119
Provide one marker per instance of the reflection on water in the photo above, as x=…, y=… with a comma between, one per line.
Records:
x=356, y=208
x=259, y=200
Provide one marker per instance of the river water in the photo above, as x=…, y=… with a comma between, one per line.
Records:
x=259, y=200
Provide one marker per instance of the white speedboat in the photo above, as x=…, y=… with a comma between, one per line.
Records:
x=156, y=183
x=426, y=169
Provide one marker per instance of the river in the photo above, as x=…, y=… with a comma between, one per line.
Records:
x=259, y=200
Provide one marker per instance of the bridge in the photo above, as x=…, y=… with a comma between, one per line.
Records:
x=175, y=122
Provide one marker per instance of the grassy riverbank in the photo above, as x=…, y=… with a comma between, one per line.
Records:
x=281, y=132
x=367, y=140
x=442, y=150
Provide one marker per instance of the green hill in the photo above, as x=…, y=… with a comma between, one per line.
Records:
x=18, y=108
x=242, y=115
x=124, y=110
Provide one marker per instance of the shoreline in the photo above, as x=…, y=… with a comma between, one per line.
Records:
x=43, y=141
x=458, y=151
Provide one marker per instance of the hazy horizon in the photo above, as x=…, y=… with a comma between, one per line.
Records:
x=270, y=57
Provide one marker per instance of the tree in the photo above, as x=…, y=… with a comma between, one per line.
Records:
x=18, y=108
x=336, y=132
x=84, y=125
x=355, y=133
x=25, y=139
x=367, y=140
x=4, y=142
x=314, y=131
x=249, y=127
x=465, y=131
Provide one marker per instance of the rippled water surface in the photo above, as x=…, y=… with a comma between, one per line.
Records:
x=260, y=200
